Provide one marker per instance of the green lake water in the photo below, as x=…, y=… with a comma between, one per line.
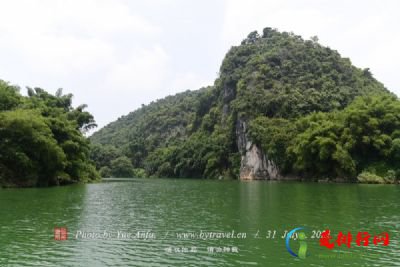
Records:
x=177, y=218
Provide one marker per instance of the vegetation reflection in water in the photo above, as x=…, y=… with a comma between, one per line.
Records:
x=169, y=208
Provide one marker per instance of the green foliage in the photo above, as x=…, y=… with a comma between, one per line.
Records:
x=372, y=178
x=139, y=173
x=282, y=75
x=317, y=150
x=29, y=154
x=201, y=156
x=342, y=144
x=103, y=155
x=274, y=135
x=160, y=138
x=105, y=172
x=161, y=122
x=40, y=141
x=121, y=167
x=9, y=96
x=272, y=81
x=362, y=137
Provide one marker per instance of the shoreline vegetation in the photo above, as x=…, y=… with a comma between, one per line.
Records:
x=42, y=140
x=374, y=180
x=281, y=108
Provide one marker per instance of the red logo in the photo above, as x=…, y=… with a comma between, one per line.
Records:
x=60, y=233
x=362, y=239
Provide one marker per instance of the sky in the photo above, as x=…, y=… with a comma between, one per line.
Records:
x=116, y=55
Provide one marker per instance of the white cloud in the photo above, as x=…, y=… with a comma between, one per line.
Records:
x=86, y=17
x=97, y=49
x=188, y=80
x=56, y=56
x=60, y=37
x=143, y=69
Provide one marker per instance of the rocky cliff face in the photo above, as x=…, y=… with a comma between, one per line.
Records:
x=254, y=163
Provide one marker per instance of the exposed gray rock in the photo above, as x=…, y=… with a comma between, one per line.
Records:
x=254, y=163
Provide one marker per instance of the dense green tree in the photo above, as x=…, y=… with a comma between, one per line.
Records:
x=41, y=140
x=9, y=96
x=103, y=155
x=344, y=143
x=121, y=167
x=29, y=155
x=274, y=135
x=105, y=172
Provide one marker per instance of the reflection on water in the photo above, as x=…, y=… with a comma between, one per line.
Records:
x=116, y=210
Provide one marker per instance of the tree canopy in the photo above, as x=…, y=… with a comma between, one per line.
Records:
x=41, y=139
x=364, y=137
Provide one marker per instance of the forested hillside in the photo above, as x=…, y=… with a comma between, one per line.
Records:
x=281, y=107
x=41, y=139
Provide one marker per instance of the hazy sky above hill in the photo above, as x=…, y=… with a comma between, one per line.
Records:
x=115, y=55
